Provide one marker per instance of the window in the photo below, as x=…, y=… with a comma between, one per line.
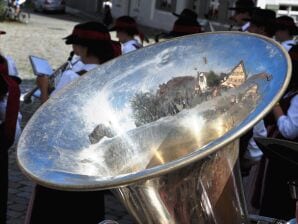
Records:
x=295, y=8
x=166, y=5
x=283, y=7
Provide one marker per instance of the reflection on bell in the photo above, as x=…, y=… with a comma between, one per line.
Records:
x=163, y=132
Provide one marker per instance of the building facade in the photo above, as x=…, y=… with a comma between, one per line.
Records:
x=282, y=7
x=158, y=13
x=86, y=5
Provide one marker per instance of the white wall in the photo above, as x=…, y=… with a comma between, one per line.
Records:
x=263, y=3
x=148, y=15
x=120, y=8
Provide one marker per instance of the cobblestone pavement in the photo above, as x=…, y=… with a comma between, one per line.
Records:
x=41, y=37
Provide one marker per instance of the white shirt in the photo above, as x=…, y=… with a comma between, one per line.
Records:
x=245, y=26
x=253, y=152
x=288, y=124
x=288, y=44
x=77, y=64
x=69, y=76
x=130, y=45
x=3, y=105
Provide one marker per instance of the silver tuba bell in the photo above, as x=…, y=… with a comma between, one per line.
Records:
x=160, y=127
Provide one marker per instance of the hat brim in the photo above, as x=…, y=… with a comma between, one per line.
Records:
x=175, y=14
x=243, y=8
x=68, y=39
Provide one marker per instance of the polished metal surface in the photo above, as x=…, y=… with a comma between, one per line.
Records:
x=160, y=126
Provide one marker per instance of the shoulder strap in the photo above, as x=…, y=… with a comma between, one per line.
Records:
x=82, y=72
x=137, y=46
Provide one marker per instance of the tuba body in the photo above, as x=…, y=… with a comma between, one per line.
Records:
x=143, y=126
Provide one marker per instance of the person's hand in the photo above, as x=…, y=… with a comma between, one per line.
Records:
x=43, y=84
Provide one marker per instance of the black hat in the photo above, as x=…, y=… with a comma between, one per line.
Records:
x=244, y=6
x=263, y=17
x=185, y=27
x=88, y=34
x=187, y=14
x=286, y=23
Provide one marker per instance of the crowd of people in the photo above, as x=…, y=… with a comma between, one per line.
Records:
x=92, y=45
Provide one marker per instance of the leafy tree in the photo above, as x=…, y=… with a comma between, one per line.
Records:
x=212, y=79
x=3, y=7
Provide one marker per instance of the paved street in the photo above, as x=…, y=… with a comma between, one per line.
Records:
x=41, y=37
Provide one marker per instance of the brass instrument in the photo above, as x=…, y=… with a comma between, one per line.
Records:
x=167, y=149
x=67, y=65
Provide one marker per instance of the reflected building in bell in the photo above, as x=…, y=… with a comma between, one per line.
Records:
x=236, y=77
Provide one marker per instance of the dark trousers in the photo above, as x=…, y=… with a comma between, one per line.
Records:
x=277, y=201
x=62, y=207
x=3, y=183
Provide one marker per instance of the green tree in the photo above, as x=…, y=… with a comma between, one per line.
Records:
x=3, y=7
x=212, y=79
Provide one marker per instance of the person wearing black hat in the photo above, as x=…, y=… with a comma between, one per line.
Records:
x=262, y=22
x=281, y=123
x=286, y=29
x=185, y=24
x=91, y=41
x=126, y=28
x=243, y=12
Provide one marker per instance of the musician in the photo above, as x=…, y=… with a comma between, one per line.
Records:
x=9, y=114
x=186, y=24
x=243, y=12
x=93, y=45
x=262, y=22
x=286, y=29
x=13, y=74
x=273, y=196
x=92, y=42
x=126, y=29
